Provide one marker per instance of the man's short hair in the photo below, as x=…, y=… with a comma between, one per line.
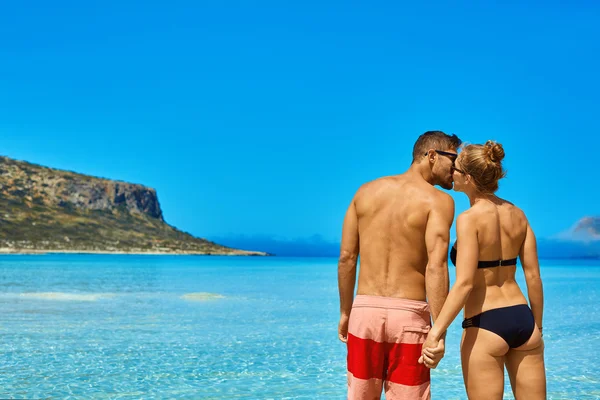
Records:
x=436, y=140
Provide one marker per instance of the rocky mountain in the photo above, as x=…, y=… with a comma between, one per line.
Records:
x=44, y=209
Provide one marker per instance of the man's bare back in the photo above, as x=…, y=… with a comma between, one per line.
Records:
x=400, y=226
x=393, y=214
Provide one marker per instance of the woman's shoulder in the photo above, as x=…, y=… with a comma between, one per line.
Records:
x=471, y=213
x=468, y=217
x=515, y=211
x=506, y=203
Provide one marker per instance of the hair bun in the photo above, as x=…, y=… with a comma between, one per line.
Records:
x=494, y=151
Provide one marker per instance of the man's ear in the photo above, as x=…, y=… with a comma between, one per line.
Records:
x=431, y=155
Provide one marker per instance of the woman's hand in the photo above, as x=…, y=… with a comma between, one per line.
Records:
x=433, y=351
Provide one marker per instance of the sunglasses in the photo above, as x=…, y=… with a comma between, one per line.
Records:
x=453, y=156
x=460, y=171
x=445, y=153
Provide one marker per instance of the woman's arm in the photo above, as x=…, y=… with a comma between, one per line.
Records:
x=531, y=268
x=466, y=265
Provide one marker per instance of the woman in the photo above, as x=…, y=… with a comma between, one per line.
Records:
x=499, y=329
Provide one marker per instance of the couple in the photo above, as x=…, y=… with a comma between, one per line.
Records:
x=400, y=227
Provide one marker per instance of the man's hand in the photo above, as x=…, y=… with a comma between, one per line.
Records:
x=433, y=352
x=343, y=328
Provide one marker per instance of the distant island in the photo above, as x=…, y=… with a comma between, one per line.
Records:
x=582, y=241
x=588, y=228
x=48, y=210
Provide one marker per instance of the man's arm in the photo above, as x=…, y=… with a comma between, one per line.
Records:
x=347, y=268
x=531, y=269
x=437, y=236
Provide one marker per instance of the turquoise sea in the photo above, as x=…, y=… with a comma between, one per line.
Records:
x=144, y=327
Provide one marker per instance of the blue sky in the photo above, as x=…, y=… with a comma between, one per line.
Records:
x=263, y=118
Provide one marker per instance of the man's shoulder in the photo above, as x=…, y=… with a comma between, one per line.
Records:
x=442, y=199
x=442, y=205
x=376, y=184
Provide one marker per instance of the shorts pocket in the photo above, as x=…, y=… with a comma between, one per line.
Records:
x=414, y=334
x=416, y=329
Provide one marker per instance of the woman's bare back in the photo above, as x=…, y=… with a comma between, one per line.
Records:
x=501, y=231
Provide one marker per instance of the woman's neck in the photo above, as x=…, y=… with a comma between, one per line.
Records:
x=475, y=197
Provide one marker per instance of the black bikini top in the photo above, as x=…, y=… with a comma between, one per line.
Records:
x=485, y=264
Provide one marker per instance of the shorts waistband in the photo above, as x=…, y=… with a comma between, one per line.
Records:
x=363, y=300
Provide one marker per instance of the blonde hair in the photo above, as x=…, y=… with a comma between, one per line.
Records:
x=484, y=164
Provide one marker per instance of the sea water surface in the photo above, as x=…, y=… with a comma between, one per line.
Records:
x=193, y=327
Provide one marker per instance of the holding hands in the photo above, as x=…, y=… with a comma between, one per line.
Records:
x=433, y=350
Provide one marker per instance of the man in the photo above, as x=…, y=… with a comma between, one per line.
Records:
x=400, y=226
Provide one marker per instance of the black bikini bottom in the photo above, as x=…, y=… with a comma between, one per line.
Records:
x=514, y=324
